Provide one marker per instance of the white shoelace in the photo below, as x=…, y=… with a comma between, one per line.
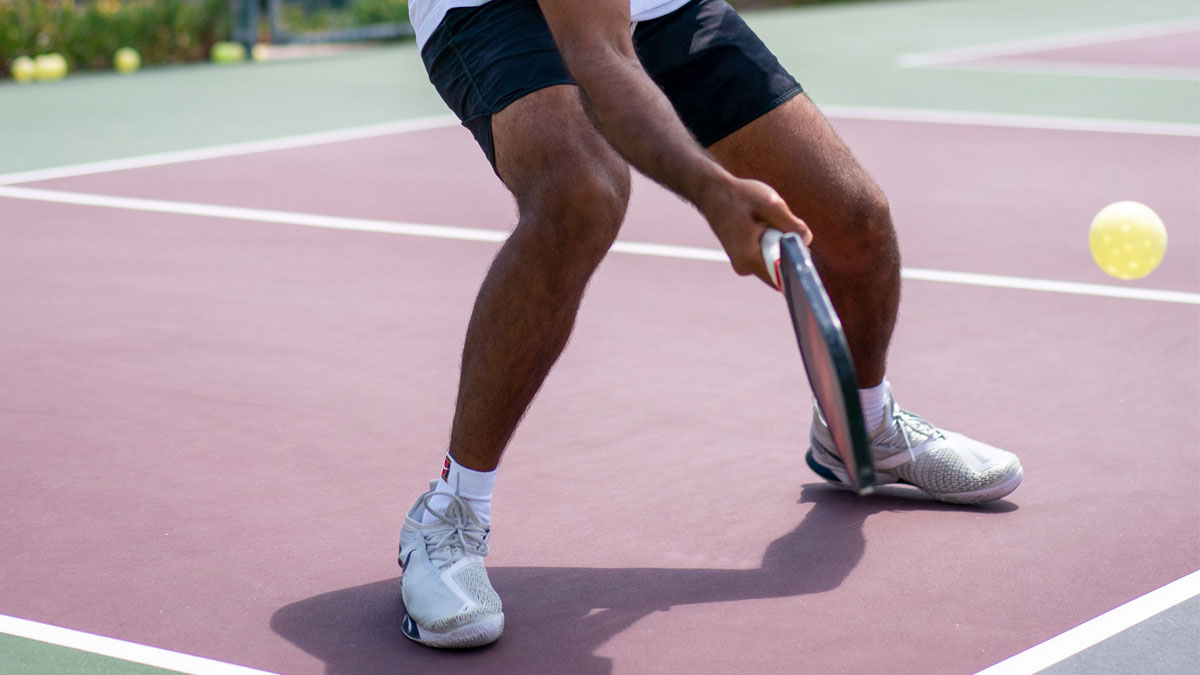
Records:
x=462, y=532
x=906, y=426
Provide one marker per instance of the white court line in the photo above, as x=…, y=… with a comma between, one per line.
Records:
x=120, y=649
x=1097, y=630
x=255, y=215
x=494, y=236
x=1007, y=120
x=232, y=149
x=1050, y=286
x=939, y=57
x=1080, y=69
x=884, y=114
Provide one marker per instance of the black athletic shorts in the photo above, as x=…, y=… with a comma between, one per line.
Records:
x=712, y=67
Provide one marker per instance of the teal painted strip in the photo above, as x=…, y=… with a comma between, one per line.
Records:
x=843, y=54
x=30, y=657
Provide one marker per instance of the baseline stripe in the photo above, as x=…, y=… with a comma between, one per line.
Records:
x=120, y=649
x=1050, y=286
x=232, y=150
x=255, y=215
x=1045, y=42
x=1079, y=69
x=984, y=119
x=1098, y=629
x=421, y=124
x=496, y=236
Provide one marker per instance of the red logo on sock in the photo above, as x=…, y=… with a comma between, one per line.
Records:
x=446, y=470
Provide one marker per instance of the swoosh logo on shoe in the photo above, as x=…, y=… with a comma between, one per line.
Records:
x=404, y=563
x=820, y=469
x=410, y=627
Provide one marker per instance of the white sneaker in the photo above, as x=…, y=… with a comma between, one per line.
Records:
x=448, y=599
x=907, y=449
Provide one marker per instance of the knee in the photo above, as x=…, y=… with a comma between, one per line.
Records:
x=577, y=208
x=870, y=215
x=865, y=225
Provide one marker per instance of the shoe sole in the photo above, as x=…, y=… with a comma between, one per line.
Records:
x=474, y=634
x=990, y=493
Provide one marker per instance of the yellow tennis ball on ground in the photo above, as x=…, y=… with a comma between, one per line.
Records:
x=228, y=52
x=1128, y=240
x=260, y=52
x=50, y=67
x=23, y=69
x=126, y=60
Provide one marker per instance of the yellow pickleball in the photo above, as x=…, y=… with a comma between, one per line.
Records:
x=228, y=52
x=23, y=69
x=1128, y=240
x=126, y=60
x=50, y=67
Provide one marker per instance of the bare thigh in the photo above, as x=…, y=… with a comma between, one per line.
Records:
x=795, y=150
x=551, y=157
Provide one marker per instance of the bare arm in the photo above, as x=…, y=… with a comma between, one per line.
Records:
x=640, y=123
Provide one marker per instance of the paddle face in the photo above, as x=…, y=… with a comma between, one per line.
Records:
x=826, y=360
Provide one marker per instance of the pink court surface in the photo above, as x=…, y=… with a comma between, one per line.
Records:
x=227, y=378
x=1167, y=50
x=217, y=418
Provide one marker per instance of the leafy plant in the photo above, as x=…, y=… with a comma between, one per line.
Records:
x=162, y=31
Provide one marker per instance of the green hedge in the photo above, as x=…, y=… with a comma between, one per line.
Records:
x=163, y=31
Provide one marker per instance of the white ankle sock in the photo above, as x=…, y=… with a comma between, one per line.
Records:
x=473, y=486
x=873, y=401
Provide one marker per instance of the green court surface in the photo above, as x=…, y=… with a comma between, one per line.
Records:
x=31, y=657
x=844, y=55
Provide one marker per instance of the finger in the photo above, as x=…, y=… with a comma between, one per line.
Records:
x=752, y=263
x=760, y=272
x=761, y=277
x=781, y=218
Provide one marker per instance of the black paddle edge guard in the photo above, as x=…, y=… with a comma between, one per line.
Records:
x=803, y=286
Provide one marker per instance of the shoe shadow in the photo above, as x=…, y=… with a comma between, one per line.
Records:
x=556, y=618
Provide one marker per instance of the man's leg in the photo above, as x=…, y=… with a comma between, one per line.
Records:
x=744, y=106
x=854, y=246
x=571, y=190
x=793, y=149
x=728, y=88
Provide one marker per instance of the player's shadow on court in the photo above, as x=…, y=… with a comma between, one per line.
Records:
x=558, y=617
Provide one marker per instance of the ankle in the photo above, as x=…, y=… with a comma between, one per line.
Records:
x=874, y=405
x=473, y=487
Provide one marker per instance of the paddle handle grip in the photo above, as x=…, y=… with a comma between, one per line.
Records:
x=771, y=255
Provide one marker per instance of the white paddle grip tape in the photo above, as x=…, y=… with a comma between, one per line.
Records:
x=770, y=252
